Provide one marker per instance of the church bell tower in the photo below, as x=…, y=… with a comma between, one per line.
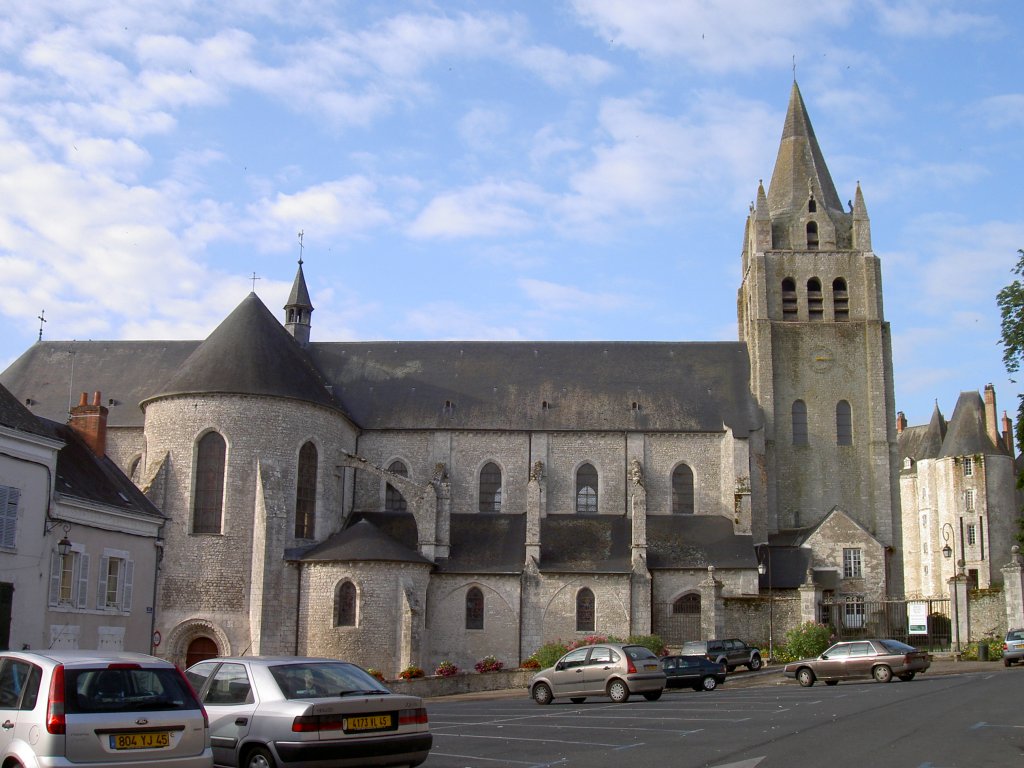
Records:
x=810, y=312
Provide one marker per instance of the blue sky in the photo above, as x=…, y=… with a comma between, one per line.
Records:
x=571, y=169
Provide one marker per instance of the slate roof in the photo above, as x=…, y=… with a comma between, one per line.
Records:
x=696, y=541
x=700, y=387
x=299, y=295
x=249, y=353
x=16, y=416
x=967, y=435
x=486, y=544
x=364, y=540
x=787, y=568
x=588, y=386
x=81, y=474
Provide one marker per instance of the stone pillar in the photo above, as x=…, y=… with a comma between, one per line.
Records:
x=712, y=606
x=640, y=581
x=809, y=598
x=1013, y=589
x=534, y=511
x=960, y=610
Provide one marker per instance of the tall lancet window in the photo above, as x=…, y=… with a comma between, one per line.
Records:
x=305, y=493
x=208, y=502
x=586, y=489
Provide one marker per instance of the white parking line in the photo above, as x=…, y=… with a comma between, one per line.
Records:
x=518, y=738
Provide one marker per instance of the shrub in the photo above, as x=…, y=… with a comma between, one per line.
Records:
x=807, y=640
x=549, y=653
x=411, y=672
x=446, y=669
x=488, y=664
x=374, y=672
x=651, y=642
x=530, y=663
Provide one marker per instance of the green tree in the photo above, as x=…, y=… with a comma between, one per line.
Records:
x=1011, y=310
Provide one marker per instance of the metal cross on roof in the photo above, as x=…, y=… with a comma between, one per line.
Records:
x=41, y=320
x=254, y=279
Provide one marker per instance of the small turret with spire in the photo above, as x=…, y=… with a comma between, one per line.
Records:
x=299, y=309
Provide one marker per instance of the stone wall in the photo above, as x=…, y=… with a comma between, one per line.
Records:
x=446, y=622
x=988, y=613
x=749, y=618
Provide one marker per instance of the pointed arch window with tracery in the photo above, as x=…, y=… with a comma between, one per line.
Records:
x=490, y=488
x=585, y=614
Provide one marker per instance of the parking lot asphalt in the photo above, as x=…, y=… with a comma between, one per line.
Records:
x=769, y=675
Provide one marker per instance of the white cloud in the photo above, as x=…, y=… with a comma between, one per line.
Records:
x=1003, y=111
x=714, y=35
x=450, y=321
x=490, y=209
x=552, y=298
x=928, y=19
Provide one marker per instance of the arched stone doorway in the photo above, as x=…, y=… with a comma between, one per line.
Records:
x=200, y=649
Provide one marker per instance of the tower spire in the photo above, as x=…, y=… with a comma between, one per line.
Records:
x=299, y=309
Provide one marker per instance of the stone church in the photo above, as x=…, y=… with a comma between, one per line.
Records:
x=409, y=502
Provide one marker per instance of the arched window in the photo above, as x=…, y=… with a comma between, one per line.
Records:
x=490, y=488
x=812, y=236
x=799, y=422
x=687, y=605
x=844, y=423
x=789, y=299
x=586, y=489
x=345, y=604
x=585, y=610
x=812, y=206
x=840, y=300
x=394, y=501
x=474, y=608
x=305, y=493
x=815, y=301
x=208, y=503
x=682, y=490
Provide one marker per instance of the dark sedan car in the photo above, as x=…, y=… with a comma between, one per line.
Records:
x=697, y=672
x=880, y=659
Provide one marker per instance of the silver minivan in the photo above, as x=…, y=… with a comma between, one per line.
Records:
x=607, y=669
x=104, y=710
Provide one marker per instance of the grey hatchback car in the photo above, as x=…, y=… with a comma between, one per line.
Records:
x=103, y=710
x=1013, y=647
x=609, y=669
x=269, y=711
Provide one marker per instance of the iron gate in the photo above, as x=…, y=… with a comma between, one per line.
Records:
x=851, y=619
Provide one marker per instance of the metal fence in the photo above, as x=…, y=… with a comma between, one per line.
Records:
x=888, y=618
x=675, y=627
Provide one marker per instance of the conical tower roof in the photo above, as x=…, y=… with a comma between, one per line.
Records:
x=931, y=445
x=249, y=353
x=299, y=296
x=800, y=167
x=967, y=435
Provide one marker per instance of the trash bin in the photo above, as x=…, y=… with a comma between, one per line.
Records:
x=983, y=651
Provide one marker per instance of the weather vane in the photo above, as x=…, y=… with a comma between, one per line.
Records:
x=41, y=320
x=301, y=232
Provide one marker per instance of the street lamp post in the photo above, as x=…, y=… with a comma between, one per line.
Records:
x=949, y=534
x=765, y=567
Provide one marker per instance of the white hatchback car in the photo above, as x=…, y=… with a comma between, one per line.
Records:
x=103, y=710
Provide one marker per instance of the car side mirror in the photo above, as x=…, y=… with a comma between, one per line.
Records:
x=824, y=655
x=560, y=666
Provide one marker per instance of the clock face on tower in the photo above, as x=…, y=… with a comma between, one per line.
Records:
x=822, y=359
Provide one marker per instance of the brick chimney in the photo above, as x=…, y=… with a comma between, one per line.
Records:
x=901, y=422
x=1008, y=434
x=991, y=415
x=90, y=422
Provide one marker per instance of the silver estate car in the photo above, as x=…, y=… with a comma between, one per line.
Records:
x=271, y=711
x=1013, y=647
x=608, y=669
x=102, y=710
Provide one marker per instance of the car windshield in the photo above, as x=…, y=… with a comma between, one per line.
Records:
x=895, y=646
x=314, y=679
x=639, y=652
x=1015, y=634
x=126, y=689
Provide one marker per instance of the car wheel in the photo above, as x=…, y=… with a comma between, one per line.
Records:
x=805, y=677
x=882, y=673
x=578, y=699
x=708, y=684
x=755, y=664
x=618, y=691
x=542, y=694
x=652, y=695
x=831, y=682
x=906, y=677
x=259, y=757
